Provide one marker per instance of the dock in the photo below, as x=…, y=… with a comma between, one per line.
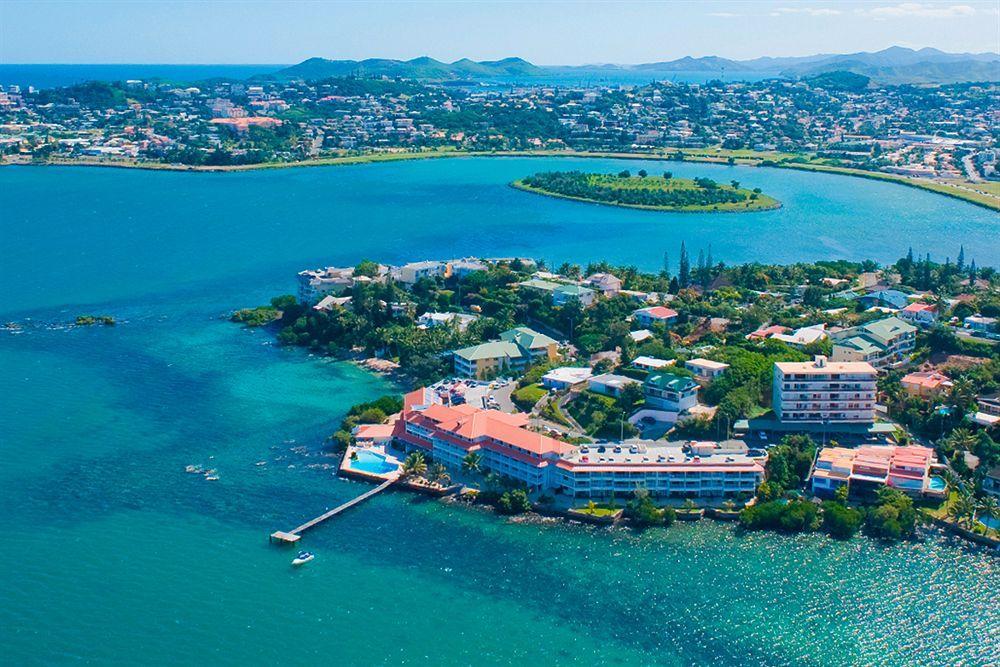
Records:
x=293, y=536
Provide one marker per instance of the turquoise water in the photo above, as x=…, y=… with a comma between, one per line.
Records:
x=369, y=461
x=112, y=553
x=990, y=522
x=937, y=484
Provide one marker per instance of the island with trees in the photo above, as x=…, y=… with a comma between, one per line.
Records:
x=656, y=193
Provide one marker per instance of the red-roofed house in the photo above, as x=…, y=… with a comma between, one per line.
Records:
x=923, y=314
x=647, y=317
x=926, y=383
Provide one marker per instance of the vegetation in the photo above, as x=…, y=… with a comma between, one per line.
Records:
x=514, y=501
x=666, y=194
x=641, y=510
x=526, y=397
x=90, y=320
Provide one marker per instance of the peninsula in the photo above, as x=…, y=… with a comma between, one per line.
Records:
x=654, y=193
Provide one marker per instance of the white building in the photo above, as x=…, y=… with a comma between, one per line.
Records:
x=566, y=377
x=822, y=391
x=706, y=369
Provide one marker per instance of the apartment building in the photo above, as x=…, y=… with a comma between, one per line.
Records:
x=823, y=391
x=883, y=343
x=516, y=350
x=869, y=467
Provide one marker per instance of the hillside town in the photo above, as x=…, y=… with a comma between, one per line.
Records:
x=944, y=132
x=722, y=389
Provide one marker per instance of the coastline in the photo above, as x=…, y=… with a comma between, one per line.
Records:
x=741, y=157
x=520, y=185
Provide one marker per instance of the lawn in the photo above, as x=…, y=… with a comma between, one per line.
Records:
x=599, y=509
x=526, y=397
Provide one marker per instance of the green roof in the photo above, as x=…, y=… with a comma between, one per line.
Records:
x=677, y=383
x=888, y=328
x=573, y=290
x=492, y=350
x=526, y=338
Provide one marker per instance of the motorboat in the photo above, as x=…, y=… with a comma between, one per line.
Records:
x=302, y=558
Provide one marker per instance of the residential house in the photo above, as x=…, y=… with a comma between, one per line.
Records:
x=605, y=283
x=926, y=384
x=564, y=294
x=651, y=363
x=920, y=314
x=991, y=483
x=987, y=411
x=666, y=391
x=566, y=377
x=431, y=320
x=886, y=298
x=609, y=384
x=883, y=343
x=981, y=323
x=647, y=317
x=706, y=369
x=803, y=336
x=823, y=391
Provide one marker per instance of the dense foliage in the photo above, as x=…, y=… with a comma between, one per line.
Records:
x=627, y=190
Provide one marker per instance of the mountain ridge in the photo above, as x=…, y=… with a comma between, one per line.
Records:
x=893, y=65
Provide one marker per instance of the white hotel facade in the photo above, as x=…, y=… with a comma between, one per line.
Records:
x=823, y=391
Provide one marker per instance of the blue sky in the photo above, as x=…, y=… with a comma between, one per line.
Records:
x=544, y=32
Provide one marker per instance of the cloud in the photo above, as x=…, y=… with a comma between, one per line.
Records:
x=918, y=10
x=808, y=11
x=724, y=15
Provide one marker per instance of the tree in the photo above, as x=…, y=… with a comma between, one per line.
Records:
x=962, y=509
x=624, y=173
x=438, y=474
x=840, y=521
x=735, y=184
x=667, y=175
x=514, y=502
x=472, y=462
x=684, y=270
x=642, y=173
x=414, y=465
x=642, y=510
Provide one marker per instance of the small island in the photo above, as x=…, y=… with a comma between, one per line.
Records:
x=654, y=193
x=90, y=320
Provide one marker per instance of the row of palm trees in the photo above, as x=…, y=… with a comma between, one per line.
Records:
x=415, y=466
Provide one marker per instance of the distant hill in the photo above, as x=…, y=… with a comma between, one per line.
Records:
x=423, y=68
x=893, y=65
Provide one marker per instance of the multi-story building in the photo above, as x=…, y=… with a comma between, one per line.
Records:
x=883, y=343
x=507, y=447
x=679, y=470
x=516, y=350
x=316, y=283
x=822, y=391
x=666, y=391
x=868, y=467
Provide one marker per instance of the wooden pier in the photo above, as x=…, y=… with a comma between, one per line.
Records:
x=292, y=536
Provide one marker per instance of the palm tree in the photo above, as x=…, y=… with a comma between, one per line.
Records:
x=962, y=510
x=415, y=465
x=961, y=440
x=689, y=505
x=729, y=506
x=473, y=462
x=989, y=507
x=439, y=474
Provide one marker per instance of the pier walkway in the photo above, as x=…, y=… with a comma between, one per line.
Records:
x=293, y=535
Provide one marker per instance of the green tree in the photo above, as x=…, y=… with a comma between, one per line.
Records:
x=415, y=465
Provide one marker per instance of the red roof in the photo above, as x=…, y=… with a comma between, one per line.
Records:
x=659, y=312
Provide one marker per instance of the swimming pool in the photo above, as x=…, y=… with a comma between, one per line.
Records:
x=990, y=522
x=371, y=462
x=936, y=483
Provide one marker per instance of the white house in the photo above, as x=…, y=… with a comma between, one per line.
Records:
x=706, y=369
x=566, y=377
x=647, y=317
x=652, y=363
x=921, y=314
x=609, y=384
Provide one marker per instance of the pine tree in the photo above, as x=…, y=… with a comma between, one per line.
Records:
x=666, y=264
x=926, y=277
x=961, y=258
x=684, y=269
x=972, y=272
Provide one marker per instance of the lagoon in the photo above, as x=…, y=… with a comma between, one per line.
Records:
x=113, y=554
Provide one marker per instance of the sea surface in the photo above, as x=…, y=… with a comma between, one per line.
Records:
x=113, y=554
x=54, y=75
